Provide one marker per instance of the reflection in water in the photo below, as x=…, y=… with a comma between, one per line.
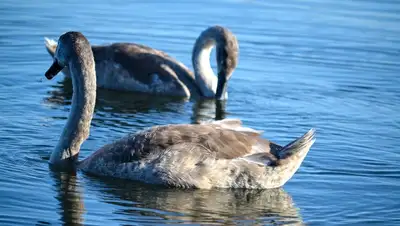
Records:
x=69, y=197
x=143, y=203
x=154, y=204
x=208, y=109
x=125, y=104
x=113, y=101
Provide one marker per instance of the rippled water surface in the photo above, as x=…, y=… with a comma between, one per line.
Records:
x=333, y=65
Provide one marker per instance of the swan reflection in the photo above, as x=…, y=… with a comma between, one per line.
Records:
x=69, y=196
x=133, y=202
x=116, y=106
x=208, y=109
x=113, y=101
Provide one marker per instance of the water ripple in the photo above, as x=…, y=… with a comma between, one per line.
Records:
x=332, y=65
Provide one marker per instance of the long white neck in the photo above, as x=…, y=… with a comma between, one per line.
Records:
x=226, y=55
x=204, y=75
x=77, y=128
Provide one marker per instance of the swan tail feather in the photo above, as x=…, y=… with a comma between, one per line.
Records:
x=294, y=152
x=50, y=45
x=300, y=145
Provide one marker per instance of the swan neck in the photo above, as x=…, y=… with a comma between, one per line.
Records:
x=204, y=75
x=77, y=128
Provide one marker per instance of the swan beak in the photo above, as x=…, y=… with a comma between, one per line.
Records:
x=54, y=69
x=221, y=86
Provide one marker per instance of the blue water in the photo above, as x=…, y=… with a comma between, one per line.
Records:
x=333, y=65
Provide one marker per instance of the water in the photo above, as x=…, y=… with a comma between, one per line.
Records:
x=333, y=65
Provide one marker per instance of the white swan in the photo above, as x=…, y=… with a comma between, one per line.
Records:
x=133, y=67
x=216, y=154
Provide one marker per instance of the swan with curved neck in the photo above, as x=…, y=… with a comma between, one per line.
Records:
x=134, y=67
x=206, y=155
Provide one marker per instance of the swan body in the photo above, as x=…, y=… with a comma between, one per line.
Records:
x=210, y=154
x=134, y=67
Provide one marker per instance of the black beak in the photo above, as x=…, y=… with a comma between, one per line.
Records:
x=221, y=86
x=54, y=69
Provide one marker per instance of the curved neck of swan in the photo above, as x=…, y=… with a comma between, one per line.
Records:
x=204, y=75
x=76, y=130
x=206, y=80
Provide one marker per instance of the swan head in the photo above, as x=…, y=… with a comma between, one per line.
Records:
x=227, y=60
x=69, y=43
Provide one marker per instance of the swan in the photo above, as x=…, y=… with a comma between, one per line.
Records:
x=221, y=154
x=134, y=67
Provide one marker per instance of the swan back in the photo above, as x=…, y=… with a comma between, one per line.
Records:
x=212, y=154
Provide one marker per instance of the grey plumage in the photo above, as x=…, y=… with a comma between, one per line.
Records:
x=200, y=156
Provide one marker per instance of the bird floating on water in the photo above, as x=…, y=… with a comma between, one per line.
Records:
x=134, y=67
x=221, y=154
